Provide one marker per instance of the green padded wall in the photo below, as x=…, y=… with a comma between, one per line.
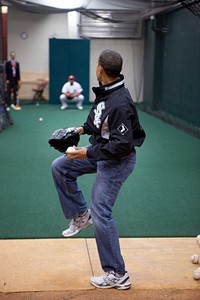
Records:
x=68, y=56
x=172, y=66
x=149, y=62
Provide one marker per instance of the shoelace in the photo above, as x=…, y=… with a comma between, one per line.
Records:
x=76, y=222
x=108, y=279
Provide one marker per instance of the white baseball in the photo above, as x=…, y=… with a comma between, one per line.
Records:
x=196, y=274
x=195, y=259
x=40, y=119
x=70, y=150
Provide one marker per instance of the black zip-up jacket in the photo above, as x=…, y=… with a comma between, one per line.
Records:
x=9, y=73
x=113, y=123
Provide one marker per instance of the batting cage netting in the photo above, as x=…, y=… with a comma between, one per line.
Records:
x=192, y=5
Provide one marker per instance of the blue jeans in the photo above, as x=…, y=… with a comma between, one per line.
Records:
x=110, y=175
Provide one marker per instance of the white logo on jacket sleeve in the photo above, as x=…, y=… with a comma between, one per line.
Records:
x=122, y=129
x=98, y=113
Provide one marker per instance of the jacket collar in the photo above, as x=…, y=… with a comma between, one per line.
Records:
x=102, y=89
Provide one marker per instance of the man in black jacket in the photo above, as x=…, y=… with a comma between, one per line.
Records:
x=114, y=130
x=12, y=70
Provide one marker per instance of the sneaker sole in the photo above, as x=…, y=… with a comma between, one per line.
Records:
x=118, y=287
x=126, y=287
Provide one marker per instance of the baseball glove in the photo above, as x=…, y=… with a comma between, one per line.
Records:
x=70, y=96
x=63, y=138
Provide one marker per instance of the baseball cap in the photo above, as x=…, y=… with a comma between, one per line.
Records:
x=71, y=77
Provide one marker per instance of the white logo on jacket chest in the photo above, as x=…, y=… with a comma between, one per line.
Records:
x=98, y=113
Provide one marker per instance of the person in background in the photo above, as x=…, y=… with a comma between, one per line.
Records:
x=72, y=92
x=115, y=131
x=12, y=70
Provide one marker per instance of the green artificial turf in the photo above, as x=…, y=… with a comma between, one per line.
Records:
x=161, y=198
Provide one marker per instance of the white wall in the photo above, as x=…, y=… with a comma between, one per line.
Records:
x=33, y=52
x=132, y=53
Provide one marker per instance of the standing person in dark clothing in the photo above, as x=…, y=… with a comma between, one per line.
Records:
x=12, y=70
x=114, y=130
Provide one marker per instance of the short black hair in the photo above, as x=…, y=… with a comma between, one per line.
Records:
x=111, y=61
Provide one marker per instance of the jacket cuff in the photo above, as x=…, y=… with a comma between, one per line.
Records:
x=86, y=129
x=90, y=153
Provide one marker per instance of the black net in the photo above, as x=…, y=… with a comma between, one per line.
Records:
x=5, y=118
x=192, y=5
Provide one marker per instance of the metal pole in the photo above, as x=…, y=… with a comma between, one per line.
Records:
x=4, y=10
x=1, y=39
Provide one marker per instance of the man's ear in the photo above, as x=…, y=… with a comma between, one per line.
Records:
x=101, y=69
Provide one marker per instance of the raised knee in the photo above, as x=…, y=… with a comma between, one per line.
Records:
x=81, y=97
x=62, y=97
x=53, y=164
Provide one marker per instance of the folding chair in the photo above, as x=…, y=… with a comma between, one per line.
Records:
x=41, y=84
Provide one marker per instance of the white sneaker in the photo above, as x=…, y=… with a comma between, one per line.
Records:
x=64, y=106
x=111, y=280
x=77, y=224
x=79, y=106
